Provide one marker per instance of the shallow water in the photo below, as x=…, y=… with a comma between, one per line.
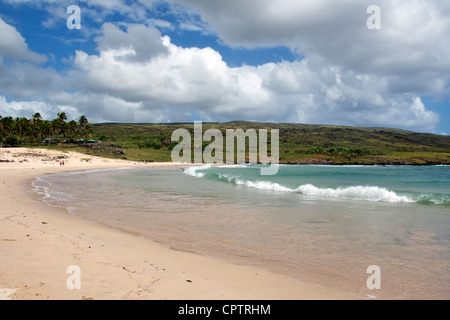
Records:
x=323, y=225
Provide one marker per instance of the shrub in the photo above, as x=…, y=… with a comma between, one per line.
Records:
x=316, y=150
x=151, y=144
x=353, y=151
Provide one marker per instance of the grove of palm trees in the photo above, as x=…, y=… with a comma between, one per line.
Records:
x=37, y=131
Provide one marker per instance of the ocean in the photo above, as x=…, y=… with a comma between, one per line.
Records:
x=317, y=224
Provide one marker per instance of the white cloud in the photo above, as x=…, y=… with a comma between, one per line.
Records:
x=29, y=108
x=13, y=45
x=189, y=82
x=140, y=42
x=21, y=80
x=408, y=51
x=162, y=24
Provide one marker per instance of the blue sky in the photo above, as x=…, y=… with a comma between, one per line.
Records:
x=258, y=60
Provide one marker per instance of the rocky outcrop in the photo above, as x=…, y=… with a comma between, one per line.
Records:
x=106, y=148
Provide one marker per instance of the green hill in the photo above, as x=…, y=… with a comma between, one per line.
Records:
x=299, y=143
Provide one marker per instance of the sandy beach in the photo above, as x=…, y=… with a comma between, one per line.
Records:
x=38, y=243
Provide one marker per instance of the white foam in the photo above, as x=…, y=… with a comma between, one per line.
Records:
x=192, y=171
x=264, y=185
x=227, y=177
x=367, y=193
x=39, y=188
x=230, y=166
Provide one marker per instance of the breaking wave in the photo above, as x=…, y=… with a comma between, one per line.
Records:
x=359, y=192
x=192, y=171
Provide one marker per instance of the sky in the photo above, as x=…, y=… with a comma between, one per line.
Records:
x=297, y=61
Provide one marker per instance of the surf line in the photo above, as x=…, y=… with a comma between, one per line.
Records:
x=214, y=151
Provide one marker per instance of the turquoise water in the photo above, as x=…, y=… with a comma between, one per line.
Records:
x=430, y=184
x=317, y=224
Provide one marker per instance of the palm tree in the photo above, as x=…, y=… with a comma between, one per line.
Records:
x=82, y=124
x=62, y=116
x=87, y=132
x=36, y=125
x=37, y=117
x=46, y=130
x=6, y=127
x=23, y=128
x=62, y=123
x=54, y=126
x=72, y=128
x=83, y=121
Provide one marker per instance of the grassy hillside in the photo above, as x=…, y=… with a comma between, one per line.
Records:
x=299, y=144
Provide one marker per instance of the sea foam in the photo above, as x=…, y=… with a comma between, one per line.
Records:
x=363, y=193
x=192, y=171
x=366, y=193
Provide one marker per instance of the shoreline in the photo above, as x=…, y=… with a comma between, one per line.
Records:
x=39, y=242
x=383, y=163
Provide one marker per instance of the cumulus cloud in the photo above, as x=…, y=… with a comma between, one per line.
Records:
x=13, y=45
x=25, y=80
x=189, y=82
x=141, y=42
x=408, y=47
x=27, y=109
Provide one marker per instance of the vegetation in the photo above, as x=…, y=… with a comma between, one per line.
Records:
x=299, y=144
x=36, y=131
